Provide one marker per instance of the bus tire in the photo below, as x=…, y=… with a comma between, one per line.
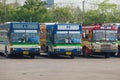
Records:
x=113, y=54
x=32, y=56
x=46, y=49
x=85, y=54
x=107, y=55
x=6, y=49
x=118, y=54
x=72, y=56
x=50, y=54
x=38, y=52
x=8, y=55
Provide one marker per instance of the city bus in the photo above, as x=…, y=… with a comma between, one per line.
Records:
x=62, y=39
x=99, y=40
x=20, y=38
x=117, y=25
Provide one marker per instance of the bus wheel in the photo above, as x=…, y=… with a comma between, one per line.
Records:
x=32, y=56
x=46, y=49
x=8, y=55
x=72, y=56
x=49, y=54
x=87, y=55
x=112, y=54
x=107, y=55
x=118, y=54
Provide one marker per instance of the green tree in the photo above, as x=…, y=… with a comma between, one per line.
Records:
x=33, y=10
x=91, y=17
x=61, y=15
x=1, y=12
x=11, y=12
x=105, y=13
x=77, y=15
x=106, y=10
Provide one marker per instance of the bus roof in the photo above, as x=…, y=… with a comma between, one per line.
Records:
x=100, y=27
x=4, y=26
x=49, y=23
x=112, y=24
x=20, y=22
x=9, y=24
x=88, y=27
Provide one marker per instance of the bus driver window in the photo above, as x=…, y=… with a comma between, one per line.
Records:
x=87, y=35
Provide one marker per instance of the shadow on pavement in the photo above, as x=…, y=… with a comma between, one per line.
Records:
x=2, y=56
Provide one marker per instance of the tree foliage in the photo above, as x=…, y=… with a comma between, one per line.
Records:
x=105, y=13
x=61, y=15
x=1, y=12
x=33, y=10
x=36, y=11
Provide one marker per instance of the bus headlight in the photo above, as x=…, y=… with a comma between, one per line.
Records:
x=14, y=49
x=78, y=49
x=96, y=46
x=115, y=46
x=57, y=50
x=36, y=49
x=114, y=43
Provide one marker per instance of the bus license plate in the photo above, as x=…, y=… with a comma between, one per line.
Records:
x=68, y=53
x=25, y=52
x=97, y=50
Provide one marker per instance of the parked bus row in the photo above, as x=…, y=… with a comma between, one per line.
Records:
x=31, y=38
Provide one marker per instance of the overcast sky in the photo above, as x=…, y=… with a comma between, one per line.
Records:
x=65, y=1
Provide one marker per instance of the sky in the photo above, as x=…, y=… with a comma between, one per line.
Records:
x=65, y=1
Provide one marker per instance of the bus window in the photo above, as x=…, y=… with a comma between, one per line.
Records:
x=28, y=36
x=118, y=35
x=87, y=35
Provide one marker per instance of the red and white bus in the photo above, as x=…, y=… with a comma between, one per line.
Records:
x=99, y=40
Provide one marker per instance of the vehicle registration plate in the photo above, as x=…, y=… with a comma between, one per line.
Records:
x=25, y=52
x=97, y=50
x=68, y=53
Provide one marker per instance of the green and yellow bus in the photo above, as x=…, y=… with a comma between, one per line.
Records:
x=20, y=38
x=61, y=39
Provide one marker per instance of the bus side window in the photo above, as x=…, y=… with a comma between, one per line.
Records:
x=118, y=36
x=87, y=35
x=50, y=35
x=90, y=35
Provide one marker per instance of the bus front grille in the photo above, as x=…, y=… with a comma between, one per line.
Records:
x=105, y=47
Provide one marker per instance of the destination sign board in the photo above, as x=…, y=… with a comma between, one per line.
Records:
x=25, y=26
x=68, y=27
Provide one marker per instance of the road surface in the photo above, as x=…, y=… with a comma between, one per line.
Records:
x=60, y=68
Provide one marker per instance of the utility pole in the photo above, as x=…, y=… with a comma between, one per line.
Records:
x=16, y=3
x=83, y=13
x=4, y=11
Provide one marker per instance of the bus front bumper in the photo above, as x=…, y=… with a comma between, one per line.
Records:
x=67, y=51
x=25, y=52
x=100, y=50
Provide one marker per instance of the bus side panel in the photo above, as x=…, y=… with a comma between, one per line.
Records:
x=43, y=34
x=118, y=35
x=43, y=37
x=4, y=41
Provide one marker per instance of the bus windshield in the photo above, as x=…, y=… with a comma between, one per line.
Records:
x=25, y=36
x=104, y=35
x=67, y=37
